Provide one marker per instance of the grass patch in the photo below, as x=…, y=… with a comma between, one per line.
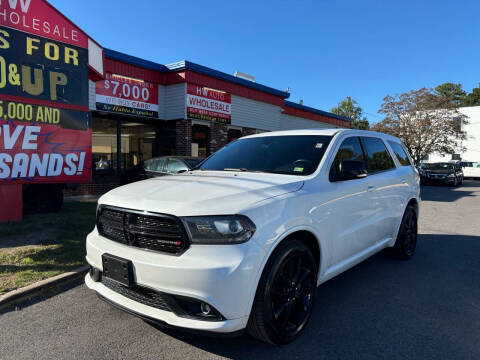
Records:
x=44, y=245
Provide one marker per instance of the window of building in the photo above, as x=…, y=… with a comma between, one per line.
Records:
x=400, y=153
x=233, y=134
x=378, y=157
x=200, y=140
x=104, y=146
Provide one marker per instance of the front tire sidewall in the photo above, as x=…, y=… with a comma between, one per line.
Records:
x=262, y=304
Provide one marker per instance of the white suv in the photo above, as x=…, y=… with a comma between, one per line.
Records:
x=243, y=240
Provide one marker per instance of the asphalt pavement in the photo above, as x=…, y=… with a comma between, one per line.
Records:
x=427, y=308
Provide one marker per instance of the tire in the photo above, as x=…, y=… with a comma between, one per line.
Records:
x=407, y=237
x=455, y=182
x=285, y=295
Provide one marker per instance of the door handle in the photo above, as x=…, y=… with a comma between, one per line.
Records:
x=371, y=188
x=403, y=181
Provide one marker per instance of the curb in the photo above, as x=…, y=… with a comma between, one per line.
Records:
x=47, y=288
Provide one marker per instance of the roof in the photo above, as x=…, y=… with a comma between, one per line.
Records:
x=328, y=132
x=188, y=65
x=316, y=111
x=133, y=60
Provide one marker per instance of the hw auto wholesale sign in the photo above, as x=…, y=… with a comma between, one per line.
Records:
x=45, y=127
x=208, y=104
x=127, y=95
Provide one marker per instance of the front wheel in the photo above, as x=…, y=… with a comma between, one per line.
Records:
x=285, y=295
x=406, y=242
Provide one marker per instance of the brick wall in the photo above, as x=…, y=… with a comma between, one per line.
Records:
x=183, y=137
x=90, y=189
x=218, y=136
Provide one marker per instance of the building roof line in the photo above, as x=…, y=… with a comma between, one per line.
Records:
x=316, y=111
x=188, y=65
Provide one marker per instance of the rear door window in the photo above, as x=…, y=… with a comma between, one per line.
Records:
x=400, y=153
x=378, y=157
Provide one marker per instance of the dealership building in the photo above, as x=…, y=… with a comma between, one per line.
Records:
x=135, y=109
x=144, y=109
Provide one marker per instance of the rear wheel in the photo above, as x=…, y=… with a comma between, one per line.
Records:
x=285, y=295
x=406, y=242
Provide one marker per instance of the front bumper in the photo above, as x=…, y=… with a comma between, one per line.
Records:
x=223, y=276
x=444, y=180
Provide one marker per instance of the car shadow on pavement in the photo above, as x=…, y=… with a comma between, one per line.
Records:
x=384, y=308
x=448, y=193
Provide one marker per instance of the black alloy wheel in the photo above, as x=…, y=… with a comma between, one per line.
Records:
x=285, y=295
x=406, y=242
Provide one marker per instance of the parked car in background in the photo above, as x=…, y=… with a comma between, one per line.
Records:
x=471, y=169
x=243, y=240
x=165, y=165
x=422, y=170
x=160, y=166
x=447, y=173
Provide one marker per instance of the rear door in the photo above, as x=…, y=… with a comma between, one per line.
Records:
x=388, y=187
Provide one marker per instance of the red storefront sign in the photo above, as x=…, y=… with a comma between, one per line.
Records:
x=127, y=95
x=45, y=125
x=40, y=18
x=208, y=104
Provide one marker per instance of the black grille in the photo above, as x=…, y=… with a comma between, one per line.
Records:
x=138, y=293
x=162, y=233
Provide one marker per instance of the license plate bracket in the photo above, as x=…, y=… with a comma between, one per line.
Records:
x=118, y=269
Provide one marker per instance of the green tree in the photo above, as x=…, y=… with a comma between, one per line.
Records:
x=349, y=108
x=473, y=98
x=454, y=93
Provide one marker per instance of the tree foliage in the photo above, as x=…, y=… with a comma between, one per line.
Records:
x=451, y=92
x=349, y=108
x=473, y=98
x=424, y=121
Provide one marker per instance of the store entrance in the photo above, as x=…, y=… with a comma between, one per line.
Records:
x=200, y=140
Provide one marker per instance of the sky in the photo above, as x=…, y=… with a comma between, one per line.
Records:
x=322, y=50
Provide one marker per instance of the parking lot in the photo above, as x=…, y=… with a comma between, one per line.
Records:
x=428, y=308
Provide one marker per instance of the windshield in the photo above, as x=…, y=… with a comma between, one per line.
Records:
x=440, y=166
x=292, y=155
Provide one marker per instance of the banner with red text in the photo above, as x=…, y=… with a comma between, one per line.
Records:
x=126, y=95
x=45, y=123
x=208, y=104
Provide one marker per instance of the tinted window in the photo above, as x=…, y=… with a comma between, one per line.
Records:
x=349, y=150
x=378, y=158
x=292, y=155
x=174, y=166
x=400, y=153
x=155, y=164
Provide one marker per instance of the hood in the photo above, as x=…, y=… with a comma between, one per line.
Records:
x=201, y=193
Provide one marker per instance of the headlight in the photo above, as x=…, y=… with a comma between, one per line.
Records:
x=224, y=229
x=451, y=175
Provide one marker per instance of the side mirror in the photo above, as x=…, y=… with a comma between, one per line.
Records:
x=349, y=170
